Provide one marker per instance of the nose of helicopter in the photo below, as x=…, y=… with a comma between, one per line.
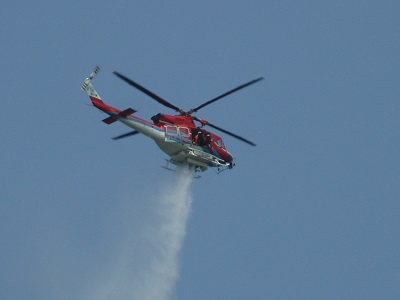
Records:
x=229, y=157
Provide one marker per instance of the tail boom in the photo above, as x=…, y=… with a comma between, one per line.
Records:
x=125, y=116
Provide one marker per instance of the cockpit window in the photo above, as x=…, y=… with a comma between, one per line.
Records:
x=220, y=143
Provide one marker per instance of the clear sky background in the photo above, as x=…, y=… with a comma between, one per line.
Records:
x=312, y=212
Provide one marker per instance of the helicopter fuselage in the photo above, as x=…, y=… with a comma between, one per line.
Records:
x=176, y=136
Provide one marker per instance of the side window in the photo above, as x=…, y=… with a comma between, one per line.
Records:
x=183, y=131
x=171, y=130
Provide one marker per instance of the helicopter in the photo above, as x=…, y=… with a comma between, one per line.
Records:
x=186, y=143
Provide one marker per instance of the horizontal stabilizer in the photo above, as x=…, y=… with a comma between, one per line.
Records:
x=109, y=120
x=127, y=112
x=124, y=113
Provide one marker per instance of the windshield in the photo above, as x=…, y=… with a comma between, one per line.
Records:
x=220, y=143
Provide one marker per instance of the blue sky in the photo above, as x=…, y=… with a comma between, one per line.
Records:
x=312, y=212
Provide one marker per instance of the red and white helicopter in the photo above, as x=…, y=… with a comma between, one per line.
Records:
x=177, y=135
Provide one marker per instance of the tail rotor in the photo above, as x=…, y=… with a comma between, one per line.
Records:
x=85, y=85
x=95, y=71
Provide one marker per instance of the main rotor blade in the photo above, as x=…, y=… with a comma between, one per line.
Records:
x=125, y=135
x=226, y=94
x=146, y=91
x=232, y=134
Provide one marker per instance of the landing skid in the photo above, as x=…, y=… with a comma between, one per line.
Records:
x=188, y=166
x=222, y=169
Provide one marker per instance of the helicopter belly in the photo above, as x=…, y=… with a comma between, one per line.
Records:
x=171, y=148
x=190, y=155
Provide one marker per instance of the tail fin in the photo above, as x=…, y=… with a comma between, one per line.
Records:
x=88, y=87
x=97, y=102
